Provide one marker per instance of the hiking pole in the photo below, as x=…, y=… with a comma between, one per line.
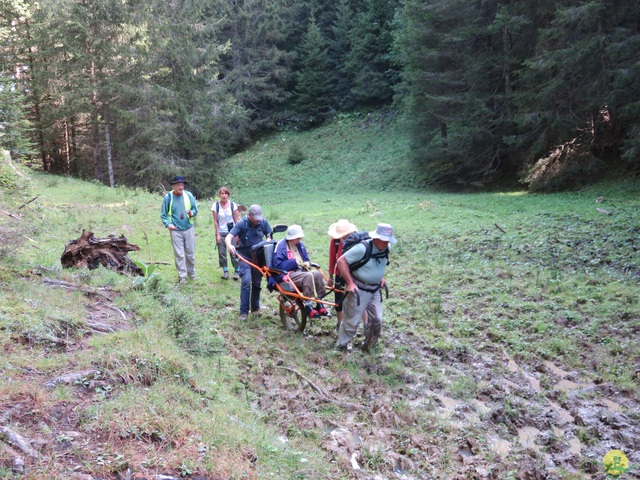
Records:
x=345, y=296
x=386, y=290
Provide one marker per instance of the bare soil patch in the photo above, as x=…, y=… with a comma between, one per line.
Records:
x=396, y=413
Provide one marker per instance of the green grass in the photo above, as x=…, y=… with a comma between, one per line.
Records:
x=185, y=388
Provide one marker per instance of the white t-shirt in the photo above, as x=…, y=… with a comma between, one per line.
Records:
x=225, y=215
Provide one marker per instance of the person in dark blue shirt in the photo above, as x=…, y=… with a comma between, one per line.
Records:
x=249, y=231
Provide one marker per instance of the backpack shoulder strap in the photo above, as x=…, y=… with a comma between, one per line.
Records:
x=365, y=258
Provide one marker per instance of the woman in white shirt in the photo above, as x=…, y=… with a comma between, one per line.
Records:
x=225, y=216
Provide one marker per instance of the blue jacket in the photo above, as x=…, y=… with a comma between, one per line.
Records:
x=281, y=260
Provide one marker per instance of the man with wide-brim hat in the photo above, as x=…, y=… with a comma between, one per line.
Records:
x=338, y=231
x=366, y=281
x=341, y=229
x=177, y=213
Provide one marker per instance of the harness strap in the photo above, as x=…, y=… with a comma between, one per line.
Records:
x=187, y=204
x=363, y=286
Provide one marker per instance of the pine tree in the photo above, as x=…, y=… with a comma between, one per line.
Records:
x=256, y=67
x=313, y=93
x=369, y=64
x=15, y=128
x=453, y=71
x=580, y=88
x=339, y=48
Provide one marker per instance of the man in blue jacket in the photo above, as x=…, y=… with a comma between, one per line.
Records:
x=249, y=231
x=292, y=257
x=177, y=213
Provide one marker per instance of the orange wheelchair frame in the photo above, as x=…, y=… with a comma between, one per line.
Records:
x=293, y=313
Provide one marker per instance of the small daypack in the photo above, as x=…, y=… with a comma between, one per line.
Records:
x=362, y=237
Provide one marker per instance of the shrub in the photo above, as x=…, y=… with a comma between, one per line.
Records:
x=568, y=166
x=296, y=155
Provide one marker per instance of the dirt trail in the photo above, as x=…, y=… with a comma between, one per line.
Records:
x=515, y=420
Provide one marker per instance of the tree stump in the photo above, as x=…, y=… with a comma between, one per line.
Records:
x=90, y=252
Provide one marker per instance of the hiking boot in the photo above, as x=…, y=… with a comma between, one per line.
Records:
x=182, y=280
x=225, y=275
x=243, y=317
x=236, y=275
x=308, y=307
x=323, y=312
x=314, y=313
x=344, y=348
x=256, y=311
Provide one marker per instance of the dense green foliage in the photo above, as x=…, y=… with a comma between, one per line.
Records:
x=131, y=92
x=497, y=87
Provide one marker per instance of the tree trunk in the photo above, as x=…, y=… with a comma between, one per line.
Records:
x=506, y=44
x=107, y=137
x=67, y=153
x=46, y=164
x=74, y=147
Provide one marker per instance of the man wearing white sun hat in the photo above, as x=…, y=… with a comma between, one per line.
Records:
x=365, y=283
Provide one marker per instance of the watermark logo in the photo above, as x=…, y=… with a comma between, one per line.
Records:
x=615, y=463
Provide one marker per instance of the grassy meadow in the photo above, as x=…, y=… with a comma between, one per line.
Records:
x=495, y=299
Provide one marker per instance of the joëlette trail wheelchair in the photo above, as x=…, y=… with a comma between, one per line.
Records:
x=293, y=313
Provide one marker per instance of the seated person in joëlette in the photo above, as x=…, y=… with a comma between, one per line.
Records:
x=291, y=256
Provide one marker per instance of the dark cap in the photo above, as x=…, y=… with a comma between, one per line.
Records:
x=178, y=179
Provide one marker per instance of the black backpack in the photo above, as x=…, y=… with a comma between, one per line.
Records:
x=362, y=237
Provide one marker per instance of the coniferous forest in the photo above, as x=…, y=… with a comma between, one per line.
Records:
x=510, y=91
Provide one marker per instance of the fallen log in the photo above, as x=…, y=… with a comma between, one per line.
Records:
x=71, y=378
x=17, y=440
x=324, y=396
x=90, y=252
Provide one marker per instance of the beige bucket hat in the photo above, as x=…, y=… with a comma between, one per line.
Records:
x=341, y=228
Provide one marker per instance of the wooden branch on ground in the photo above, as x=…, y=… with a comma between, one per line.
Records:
x=70, y=378
x=324, y=396
x=27, y=203
x=19, y=441
x=499, y=227
x=10, y=214
x=124, y=317
x=69, y=286
x=99, y=327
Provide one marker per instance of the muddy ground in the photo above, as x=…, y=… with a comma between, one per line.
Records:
x=387, y=414
x=522, y=420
